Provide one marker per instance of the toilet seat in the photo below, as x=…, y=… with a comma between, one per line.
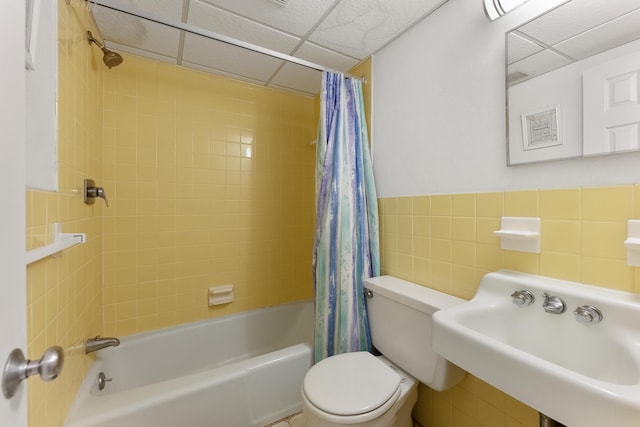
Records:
x=352, y=384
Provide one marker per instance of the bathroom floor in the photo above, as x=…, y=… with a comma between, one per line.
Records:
x=295, y=420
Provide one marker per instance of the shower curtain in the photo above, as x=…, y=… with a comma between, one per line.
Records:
x=346, y=247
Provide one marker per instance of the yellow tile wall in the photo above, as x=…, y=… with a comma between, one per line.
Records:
x=210, y=181
x=446, y=242
x=64, y=296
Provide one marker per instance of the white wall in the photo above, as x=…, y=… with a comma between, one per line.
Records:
x=438, y=112
x=42, y=164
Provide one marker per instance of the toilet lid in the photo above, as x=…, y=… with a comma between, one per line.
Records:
x=350, y=384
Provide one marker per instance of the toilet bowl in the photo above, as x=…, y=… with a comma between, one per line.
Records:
x=361, y=390
x=358, y=389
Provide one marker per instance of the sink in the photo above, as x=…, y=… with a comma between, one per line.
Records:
x=575, y=369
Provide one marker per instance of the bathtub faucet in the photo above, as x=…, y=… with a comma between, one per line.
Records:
x=98, y=343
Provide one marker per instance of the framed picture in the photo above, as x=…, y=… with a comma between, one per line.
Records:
x=541, y=128
x=31, y=31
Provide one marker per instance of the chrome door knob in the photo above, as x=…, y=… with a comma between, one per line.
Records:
x=18, y=368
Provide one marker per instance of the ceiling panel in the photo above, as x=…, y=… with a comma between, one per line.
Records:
x=299, y=78
x=297, y=18
x=360, y=27
x=222, y=73
x=224, y=57
x=211, y=18
x=541, y=62
x=575, y=17
x=318, y=54
x=137, y=33
x=520, y=47
x=611, y=34
x=335, y=34
x=139, y=52
x=170, y=9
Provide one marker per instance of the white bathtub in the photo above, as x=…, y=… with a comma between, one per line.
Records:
x=243, y=370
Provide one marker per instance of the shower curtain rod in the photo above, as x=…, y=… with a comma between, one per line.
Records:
x=109, y=4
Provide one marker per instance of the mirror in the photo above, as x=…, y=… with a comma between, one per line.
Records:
x=573, y=82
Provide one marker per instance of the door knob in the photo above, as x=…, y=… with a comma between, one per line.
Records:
x=18, y=368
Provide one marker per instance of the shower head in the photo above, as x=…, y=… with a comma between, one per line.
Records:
x=110, y=58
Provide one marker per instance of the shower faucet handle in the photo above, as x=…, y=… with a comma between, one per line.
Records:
x=101, y=194
x=91, y=192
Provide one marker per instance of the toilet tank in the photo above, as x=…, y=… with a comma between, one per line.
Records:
x=400, y=321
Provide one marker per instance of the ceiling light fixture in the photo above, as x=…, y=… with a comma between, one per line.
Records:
x=494, y=9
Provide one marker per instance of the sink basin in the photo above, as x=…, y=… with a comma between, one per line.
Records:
x=576, y=373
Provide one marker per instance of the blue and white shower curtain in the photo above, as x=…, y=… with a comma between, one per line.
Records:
x=346, y=246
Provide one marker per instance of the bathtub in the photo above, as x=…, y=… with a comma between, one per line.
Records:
x=243, y=370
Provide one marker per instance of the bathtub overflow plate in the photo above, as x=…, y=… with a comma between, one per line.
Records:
x=102, y=381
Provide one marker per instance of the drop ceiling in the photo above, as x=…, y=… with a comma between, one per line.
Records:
x=337, y=34
x=571, y=32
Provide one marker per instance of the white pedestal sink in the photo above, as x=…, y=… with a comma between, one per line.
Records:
x=578, y=374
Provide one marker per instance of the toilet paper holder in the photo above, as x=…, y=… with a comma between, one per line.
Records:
x=91, y=192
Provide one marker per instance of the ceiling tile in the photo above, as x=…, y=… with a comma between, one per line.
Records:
x=575, y=17
x=139, y=52
x=319, y=55
x=137, y=33
x=541, y=62
x=518, y=47
x=221, y=73
x=170, y=9
x=214, y=19
x=347, y=31
x=613, y=33
x=230, y=59
x=360, y=27
x=299, y=78
x=297, y=18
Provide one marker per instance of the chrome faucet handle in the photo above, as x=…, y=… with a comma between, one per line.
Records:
x=523, y=297
x=553, y=304
x=587, y=315
x=91, y=193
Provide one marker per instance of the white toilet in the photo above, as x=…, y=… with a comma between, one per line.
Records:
x=359, y=389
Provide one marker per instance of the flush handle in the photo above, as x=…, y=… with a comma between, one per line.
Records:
x=91, y=192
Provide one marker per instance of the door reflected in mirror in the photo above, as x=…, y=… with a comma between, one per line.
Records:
x=572, y=82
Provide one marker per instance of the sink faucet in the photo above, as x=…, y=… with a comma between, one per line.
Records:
x=98, y=343
x=553, y=304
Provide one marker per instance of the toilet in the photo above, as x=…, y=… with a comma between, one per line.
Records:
x=361, y=390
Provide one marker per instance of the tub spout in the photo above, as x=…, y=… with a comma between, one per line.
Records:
x=98, y=343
